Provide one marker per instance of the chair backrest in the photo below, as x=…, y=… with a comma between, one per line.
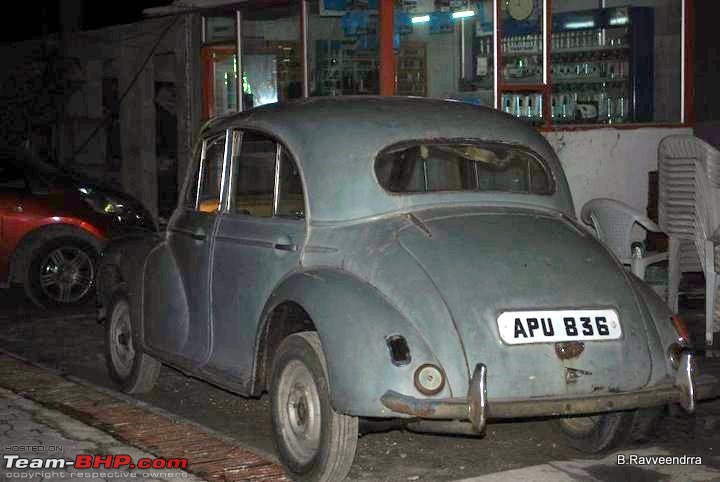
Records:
x=689, y=194
x=613, y=222
x=676, y=190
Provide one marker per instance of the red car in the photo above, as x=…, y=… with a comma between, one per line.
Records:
x=53, y=226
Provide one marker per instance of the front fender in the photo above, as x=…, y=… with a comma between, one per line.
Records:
x=165, y=318
x=353, y=320
x=120, y=265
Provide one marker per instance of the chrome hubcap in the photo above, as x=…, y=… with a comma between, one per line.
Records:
x=122, y=351
x=66, y=274
x=300, y=412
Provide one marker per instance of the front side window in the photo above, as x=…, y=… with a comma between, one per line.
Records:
x=203, y=193
x=420, y=167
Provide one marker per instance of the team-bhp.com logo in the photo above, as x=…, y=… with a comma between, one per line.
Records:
x=84, y=461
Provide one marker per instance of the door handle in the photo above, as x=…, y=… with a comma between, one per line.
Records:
x=285, y=247
x=187, y=232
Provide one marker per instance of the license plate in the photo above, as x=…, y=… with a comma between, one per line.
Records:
x=546, y=326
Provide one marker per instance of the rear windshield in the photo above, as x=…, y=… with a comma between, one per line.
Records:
x=422, y=166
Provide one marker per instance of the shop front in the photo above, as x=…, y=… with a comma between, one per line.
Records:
x=604, y=80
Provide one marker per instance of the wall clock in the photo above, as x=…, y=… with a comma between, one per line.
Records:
x=520, y=9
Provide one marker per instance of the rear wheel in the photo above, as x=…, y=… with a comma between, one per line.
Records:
x=597, y=433
x=315, y=443
x=604, y=432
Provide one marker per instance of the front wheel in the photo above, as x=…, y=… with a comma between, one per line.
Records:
x=61, y=273
x=131, y=369
x=315, y=443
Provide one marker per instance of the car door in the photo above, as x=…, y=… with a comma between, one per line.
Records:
x=190, y=241
x=258, y=241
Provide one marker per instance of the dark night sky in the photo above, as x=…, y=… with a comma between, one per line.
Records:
x=30, y=19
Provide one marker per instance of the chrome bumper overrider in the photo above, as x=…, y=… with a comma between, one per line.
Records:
x=476, y=408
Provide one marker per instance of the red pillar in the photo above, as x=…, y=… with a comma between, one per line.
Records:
x=385, y=41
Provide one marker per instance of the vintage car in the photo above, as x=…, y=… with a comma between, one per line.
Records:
x=395, y=258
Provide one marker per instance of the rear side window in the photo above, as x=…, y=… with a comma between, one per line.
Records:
x=421, y=167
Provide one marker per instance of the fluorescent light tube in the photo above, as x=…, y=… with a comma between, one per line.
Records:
x=420, y=19
x=463, y=14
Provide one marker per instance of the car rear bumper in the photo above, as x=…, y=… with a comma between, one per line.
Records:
x=476, y=408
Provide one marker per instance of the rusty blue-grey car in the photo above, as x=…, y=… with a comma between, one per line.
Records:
x=401, y=258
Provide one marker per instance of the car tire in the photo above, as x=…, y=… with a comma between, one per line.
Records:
x=61, y=273
x=314, y=442
x=644, y=424
x=596, y=434
x=131, y=369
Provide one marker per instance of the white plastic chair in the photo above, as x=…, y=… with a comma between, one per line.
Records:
x=613, y=222
x=689, y=211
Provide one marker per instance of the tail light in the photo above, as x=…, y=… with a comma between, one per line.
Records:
x=682, y=329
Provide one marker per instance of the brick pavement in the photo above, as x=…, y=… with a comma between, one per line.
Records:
x=211, y=457
x=54, y=435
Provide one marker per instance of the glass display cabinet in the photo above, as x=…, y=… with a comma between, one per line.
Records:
x=600, y=64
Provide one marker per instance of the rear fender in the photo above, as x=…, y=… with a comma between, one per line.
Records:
x=353, y=320
x=661, y=318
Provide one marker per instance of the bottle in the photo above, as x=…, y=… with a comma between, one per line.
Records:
x=610, y=110
x=507, y=108
x=506, y=104
x=538, y=106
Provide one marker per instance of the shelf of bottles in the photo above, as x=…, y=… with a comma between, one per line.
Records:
x=522, y=59
x=591, y=78
x=411, y=72
x=344, y=69
x=527, y=105
x=600, y=67
x=484, y=66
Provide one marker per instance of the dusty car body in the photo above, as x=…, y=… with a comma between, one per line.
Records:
x=446, y=306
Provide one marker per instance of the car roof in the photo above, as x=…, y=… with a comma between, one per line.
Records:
x=335, y=141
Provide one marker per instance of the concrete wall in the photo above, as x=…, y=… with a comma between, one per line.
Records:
x=611, y=163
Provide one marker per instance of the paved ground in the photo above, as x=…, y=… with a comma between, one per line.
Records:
x=72, y=343
x=54, y=435
x=208, y=455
